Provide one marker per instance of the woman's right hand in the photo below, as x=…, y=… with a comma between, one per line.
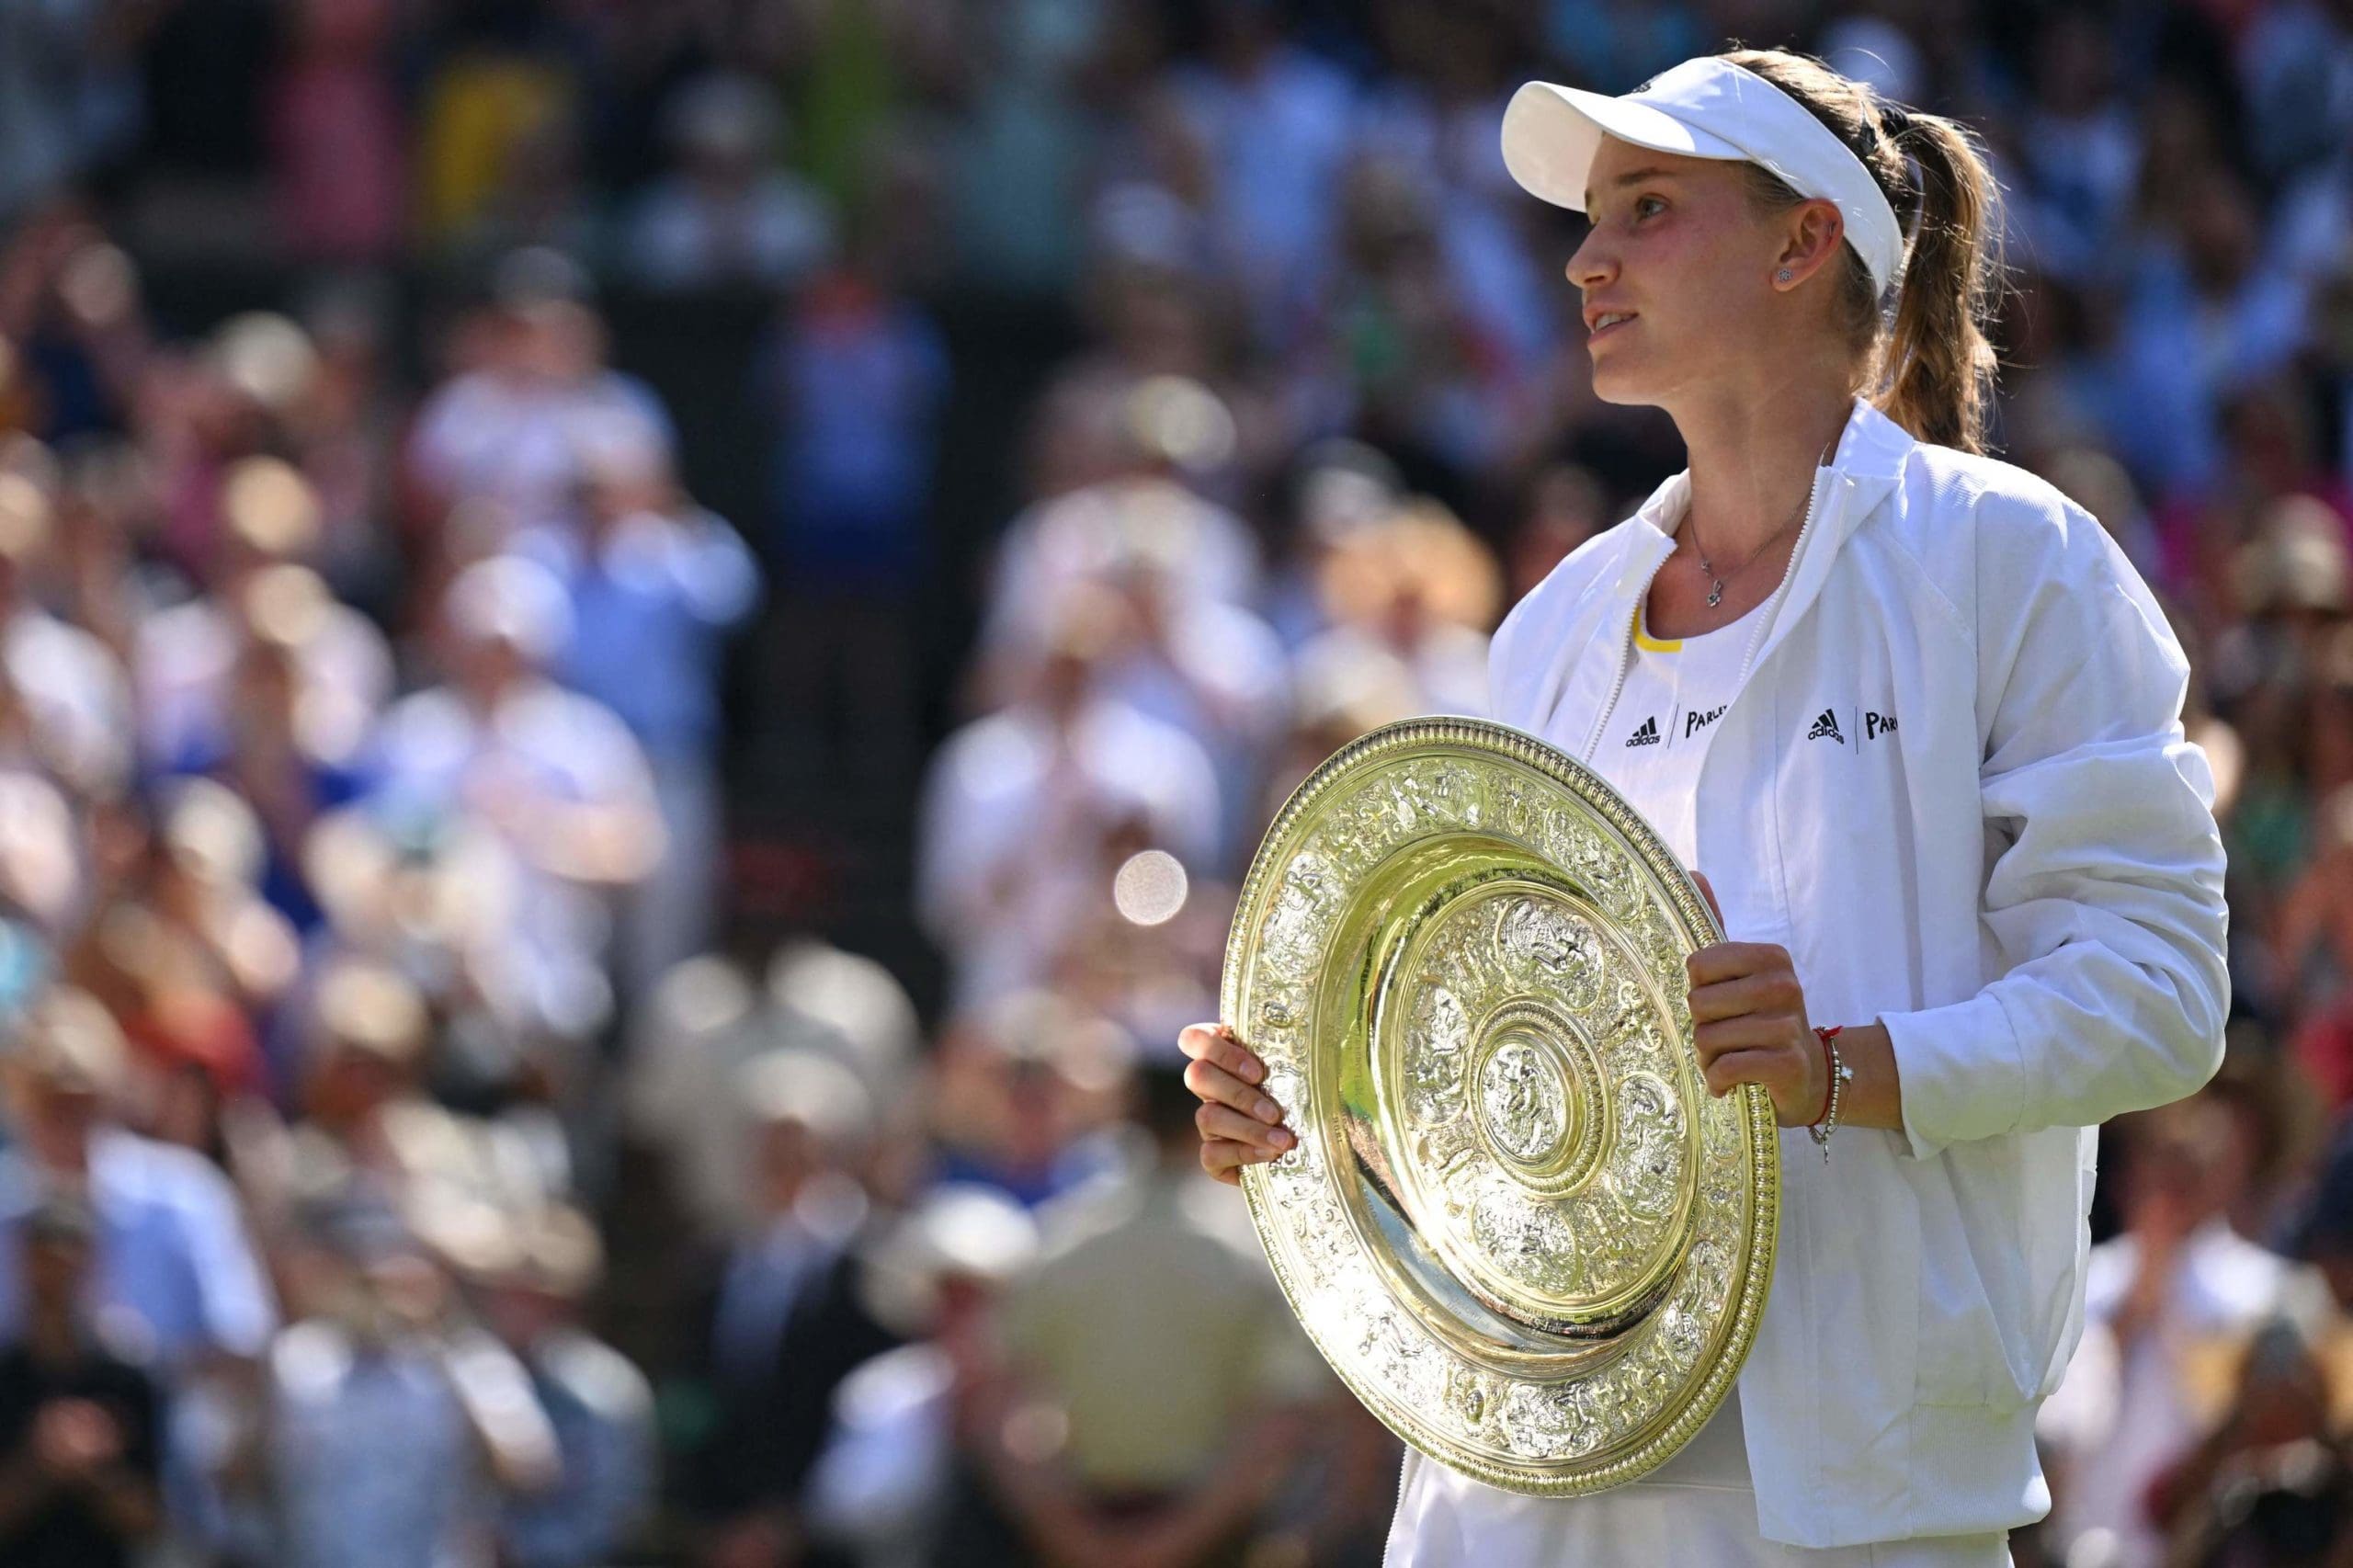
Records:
x=1240, y=1124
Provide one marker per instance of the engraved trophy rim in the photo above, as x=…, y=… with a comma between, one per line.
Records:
x=1561, y=1356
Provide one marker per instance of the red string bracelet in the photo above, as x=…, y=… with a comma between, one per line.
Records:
x=1830, y=1092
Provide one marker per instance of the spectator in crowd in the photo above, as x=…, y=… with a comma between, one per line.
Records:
x=727, y=215
x=855, y=375
x=1135, y=508
x=1345, y=689
x=1143, y=1468
x=64, y=707
x=553, y=778
x=1419, y=588
x=2080, y=146
x=694, y=1041
x=39, y=883
x=852, y=1007
x=337, y=133
x=186, y=654
x=687, y=1042
x=496, y=117
x=79, y=1418
x=654, y=581
x=170, y=1257
x=898, y=1483
x=511, y=424
x=365, y=1130
x=811, y=1123
x=1028, y=1089
x=236, y=399
x=2170, y=1303
x=2271, y=1484
x=1017, y=805
x=70, y=299
x=788, y=1317
x=284, y=745
x=190, y=958
x=345, y=433
x=1275, y=118
x=172, y=1264
x=598, y=1406
x=393, y=1425
x=2313, y=957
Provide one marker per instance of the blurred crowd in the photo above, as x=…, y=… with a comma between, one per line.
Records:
x=433, y=1136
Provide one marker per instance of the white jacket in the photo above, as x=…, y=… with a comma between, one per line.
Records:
x=1953, y=781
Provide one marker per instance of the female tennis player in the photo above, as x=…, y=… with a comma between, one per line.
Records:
x=1918, y=721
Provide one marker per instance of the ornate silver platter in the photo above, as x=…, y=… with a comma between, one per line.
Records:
x=1516, y=1223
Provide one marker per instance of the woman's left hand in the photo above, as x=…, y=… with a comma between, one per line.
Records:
x=1749, y=1024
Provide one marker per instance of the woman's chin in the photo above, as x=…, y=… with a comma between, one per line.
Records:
x=1613, y=366
x=1611, y=385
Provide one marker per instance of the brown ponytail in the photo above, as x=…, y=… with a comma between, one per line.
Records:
x=1923, y=356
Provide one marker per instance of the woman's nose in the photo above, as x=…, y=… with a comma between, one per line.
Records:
x=1589, y=265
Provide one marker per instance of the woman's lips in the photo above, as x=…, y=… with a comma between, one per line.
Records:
x=1601, y=332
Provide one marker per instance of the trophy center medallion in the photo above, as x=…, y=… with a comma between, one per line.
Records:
x=1537, y=1098
x=1523, y=1102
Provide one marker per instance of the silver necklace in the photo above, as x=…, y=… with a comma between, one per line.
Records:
x=1717, y=592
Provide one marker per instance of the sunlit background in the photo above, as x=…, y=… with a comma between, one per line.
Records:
x=642, y=642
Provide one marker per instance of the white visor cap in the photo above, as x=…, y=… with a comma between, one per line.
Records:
x=1705, y=108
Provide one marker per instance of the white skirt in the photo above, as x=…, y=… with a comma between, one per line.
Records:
x=1698, y=1508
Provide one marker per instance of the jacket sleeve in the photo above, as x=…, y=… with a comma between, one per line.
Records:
x=2102, y=912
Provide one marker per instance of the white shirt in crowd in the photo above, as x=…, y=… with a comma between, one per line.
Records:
x=1203, y=549
x=2122, y=1416
x=519, y=441
x=1008, y=832
x=186, y=655
x=73, y=693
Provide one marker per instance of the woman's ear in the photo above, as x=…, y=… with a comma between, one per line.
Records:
x=1817, y=230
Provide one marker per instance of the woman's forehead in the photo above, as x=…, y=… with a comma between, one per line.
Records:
x=1617, y=163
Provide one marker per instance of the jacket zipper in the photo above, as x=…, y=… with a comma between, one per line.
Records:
x=1625, y=657
x=1797, y=553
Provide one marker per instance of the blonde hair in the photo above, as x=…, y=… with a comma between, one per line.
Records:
x=1421, y=546
x=1924, y=354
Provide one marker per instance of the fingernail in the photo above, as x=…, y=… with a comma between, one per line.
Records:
x=1281, y=1138
x=1254, y=1071
x=1266, y=1109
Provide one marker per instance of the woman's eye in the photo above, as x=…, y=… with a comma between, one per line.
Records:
x=1645, y=201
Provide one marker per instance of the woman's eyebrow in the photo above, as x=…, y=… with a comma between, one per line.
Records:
x=1628, y=177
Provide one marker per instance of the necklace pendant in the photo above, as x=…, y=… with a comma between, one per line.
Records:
x=1716, y=593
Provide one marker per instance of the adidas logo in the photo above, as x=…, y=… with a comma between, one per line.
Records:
x=1826, y=725
x=1646, y=736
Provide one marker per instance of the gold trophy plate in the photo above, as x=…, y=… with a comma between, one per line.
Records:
x=1516, y=1223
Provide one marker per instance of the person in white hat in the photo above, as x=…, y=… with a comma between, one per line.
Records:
x=1921, y=718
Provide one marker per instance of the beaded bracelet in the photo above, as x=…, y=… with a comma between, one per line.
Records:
x=1822, y=1126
